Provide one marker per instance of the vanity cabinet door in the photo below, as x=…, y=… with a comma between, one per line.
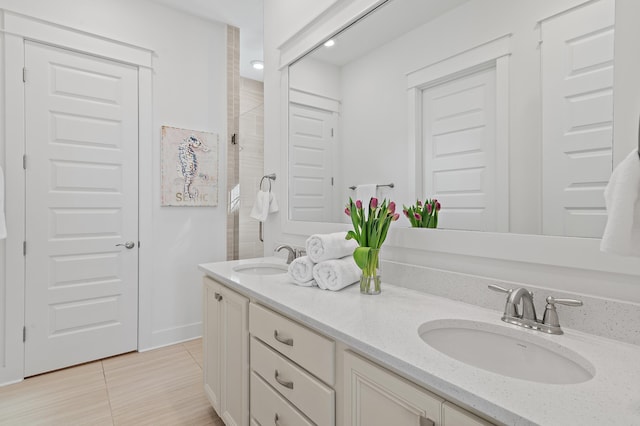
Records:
x=226, y=352
x=377, y=397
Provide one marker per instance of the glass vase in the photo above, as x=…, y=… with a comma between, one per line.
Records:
x=370, y=281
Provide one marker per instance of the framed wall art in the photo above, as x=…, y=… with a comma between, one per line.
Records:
x=189, y=165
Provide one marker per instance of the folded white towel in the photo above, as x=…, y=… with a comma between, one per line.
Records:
x=321, y=247
x=3, y=226
x=301, y=271
x=260, y=209
x=336, y=274
x=622, y=197
x=273, y=204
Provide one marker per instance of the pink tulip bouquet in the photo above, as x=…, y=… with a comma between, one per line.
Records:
x=423, y=215
x=370, y=228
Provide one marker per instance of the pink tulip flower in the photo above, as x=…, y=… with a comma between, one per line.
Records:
x=417, y=216
x=396, y=217
x=359, y=204
x=437, y=206
x=347, y=211
x=429, y=208
x=392, y=207
x=374, y=203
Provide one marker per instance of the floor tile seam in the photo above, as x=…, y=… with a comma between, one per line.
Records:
x=106, y=386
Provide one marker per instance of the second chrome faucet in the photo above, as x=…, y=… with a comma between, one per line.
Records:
x=521, y=299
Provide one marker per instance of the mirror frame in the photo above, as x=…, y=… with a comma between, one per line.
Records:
x=562, y=252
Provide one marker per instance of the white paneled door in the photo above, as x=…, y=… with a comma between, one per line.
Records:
x=82, y=208
x=459, y=151
x=577, y=119
x=310, y=156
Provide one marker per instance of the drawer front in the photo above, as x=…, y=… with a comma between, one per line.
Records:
x=453, y=415
x=307, y=348
x=315, y=399
x=269, y=408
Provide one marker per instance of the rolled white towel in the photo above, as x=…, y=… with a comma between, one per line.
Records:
x=336, y=274
x=321, y=247
x=301, y=271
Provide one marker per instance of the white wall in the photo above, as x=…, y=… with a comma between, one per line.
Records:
x=189, y=91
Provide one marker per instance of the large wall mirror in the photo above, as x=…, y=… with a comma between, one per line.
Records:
x=500, y=109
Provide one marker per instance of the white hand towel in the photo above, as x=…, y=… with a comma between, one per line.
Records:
x=336, y=274
x=260, y=209
x=321, y=247
x=3, y=226
x=366, y=193
x=273, y=204
x=622, y=197
x=301, y=271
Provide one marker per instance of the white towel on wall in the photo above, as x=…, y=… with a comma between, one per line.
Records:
x=273, y=203
x=622, y=197
x=321, y=247
x=301, y=271
x=366, y=192
x=3, y=225
x=260, y=209
x=336, y=274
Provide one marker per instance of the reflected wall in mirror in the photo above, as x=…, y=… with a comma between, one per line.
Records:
x=500, y=109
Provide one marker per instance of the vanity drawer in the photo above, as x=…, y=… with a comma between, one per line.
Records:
x=305, y=347
x=454, y=415
x=269, y=408
x=315, y=399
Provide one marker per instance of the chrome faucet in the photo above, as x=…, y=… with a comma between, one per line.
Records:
x=528, y=319
x=293, y=252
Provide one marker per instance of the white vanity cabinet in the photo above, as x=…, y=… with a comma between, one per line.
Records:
x=297, y=376
x=226, y=352
x=374, y=396
x=293, y=367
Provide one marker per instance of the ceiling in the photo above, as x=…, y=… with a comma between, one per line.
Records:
x=244, y=14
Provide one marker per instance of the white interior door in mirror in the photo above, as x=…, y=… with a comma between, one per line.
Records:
x=459, y=149
x=311, y=150
x=577, y=91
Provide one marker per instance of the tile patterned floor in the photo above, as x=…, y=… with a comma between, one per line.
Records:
x=159, y=387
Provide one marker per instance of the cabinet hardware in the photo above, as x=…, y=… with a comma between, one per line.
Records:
x=218, y=296
x=288, y=342
x=425, y=421
x=276, y=419
x=288, y=385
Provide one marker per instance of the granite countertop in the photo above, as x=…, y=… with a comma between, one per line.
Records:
x=385, y=328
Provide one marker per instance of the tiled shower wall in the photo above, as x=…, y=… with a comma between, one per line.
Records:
x=251, y=164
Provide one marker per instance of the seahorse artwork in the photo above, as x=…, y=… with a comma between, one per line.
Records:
x=189, y=166
x=188, y=163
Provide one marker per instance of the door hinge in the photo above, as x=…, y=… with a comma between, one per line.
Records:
x=24, y=334
x=24, y=74
x=24, y=161
x=332, y=181
x=331, y=132
x=24, y=248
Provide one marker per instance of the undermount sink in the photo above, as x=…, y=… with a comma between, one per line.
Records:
x=508, y=352
x=262, y=268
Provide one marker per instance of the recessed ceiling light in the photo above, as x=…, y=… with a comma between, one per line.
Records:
x=329, y=43
x=257, y=65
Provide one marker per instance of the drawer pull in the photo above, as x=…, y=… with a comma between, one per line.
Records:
x=425, y=421
x=218, y=296
x=288, y=342
x=275, y=420
x=286, y=384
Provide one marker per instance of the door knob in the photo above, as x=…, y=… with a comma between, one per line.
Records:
x=128, y=244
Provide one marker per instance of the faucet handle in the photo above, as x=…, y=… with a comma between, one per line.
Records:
x=569, y=302
x=500, y=289
x=550, y=318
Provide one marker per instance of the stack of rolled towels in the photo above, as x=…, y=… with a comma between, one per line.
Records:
x=328, y=264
